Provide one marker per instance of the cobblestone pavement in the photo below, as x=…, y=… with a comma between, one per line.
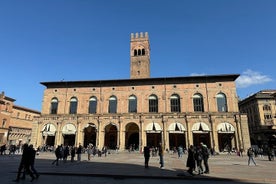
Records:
x=127, y=167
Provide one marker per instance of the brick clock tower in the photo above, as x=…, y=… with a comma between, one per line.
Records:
x=139, y=56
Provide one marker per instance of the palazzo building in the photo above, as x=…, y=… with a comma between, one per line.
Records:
x=177, y=111
x=16, y=122
x=261, y=110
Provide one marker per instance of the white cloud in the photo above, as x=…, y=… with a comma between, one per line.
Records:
x=197, y=74
x=249, y=77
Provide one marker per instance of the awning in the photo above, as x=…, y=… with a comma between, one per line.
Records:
x=200, y=127
x=153, y=128
x=49, y=130
x=225, y=128
x=69, y=129
x=176, y=128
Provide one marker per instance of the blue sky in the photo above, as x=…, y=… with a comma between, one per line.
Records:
x=54, y=40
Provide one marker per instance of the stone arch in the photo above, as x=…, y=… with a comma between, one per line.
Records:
x=226, y=136
x=201, y=133
x=90, y=134
x=111, y=136
x=49, y=134
x=132, y=136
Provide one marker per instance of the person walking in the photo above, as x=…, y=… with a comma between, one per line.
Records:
x=58, y=155
x=33, y=153
x=161, y=155
x=250, y=154
x=146, y=156
x=191, y=160
x=25, y=164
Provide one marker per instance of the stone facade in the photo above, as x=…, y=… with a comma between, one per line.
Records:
x=261, y=110
x=177, y=111
x=16, y=122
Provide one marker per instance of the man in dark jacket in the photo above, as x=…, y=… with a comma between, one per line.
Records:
x=25, y=163
x=146, y=156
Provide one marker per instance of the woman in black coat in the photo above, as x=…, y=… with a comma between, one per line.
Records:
x=191, y=160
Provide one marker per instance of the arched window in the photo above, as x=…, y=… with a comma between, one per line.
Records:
x=54, y=106
x=92, y=105
x=143, y=52
x=73, y=105
x=4, y=122
x=135, y=52
x=112, y=108
x=139, y=52
x=221, y=102
x=175, y=103
x=266, y=108
x=132, y=104
x=153, y=103
x=198, y=102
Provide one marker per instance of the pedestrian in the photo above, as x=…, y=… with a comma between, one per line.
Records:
x=33, y=154
x=58, y=155
x=89, y=151
x=79, y=151
x=198, y=159
x=73, y=153
x=104, y=150
x=65, y=153
x=180, y=151
x=191, y=160
x=250, y=154
x=161, y=155
x=205, y=156
x=25, y=163
x=146, y=156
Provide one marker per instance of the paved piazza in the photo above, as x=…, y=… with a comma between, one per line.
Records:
x=124, y=167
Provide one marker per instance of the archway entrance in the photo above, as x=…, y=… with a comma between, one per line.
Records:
x=110, y=139
x=132, y=136
x=90, y=134
x=48, y=134
x=154, y=134
x=201, y=133
x=69, y=134
x=226, y=136
x=176, y=135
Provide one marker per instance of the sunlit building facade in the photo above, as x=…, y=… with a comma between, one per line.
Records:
x=16, y=122
x=177, y=111
x=261, y=110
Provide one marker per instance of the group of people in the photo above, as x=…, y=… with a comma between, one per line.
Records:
x=197, y=155
x=26, y=165
x=62, y=153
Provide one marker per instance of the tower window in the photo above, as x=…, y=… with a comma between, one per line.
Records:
x=135, y=52
x=139, y=52
x=143, y=52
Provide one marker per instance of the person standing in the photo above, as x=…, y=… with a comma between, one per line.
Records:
x=79, y=151
x=161, y=155
x=205, y=156
x=198, y=159
x=250, y=154
x=191, y=160
x=146, y=156
x=72, y=153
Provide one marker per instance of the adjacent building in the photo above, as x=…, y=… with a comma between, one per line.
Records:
x=177, y=111
x=16, y=122
x=261, y=110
